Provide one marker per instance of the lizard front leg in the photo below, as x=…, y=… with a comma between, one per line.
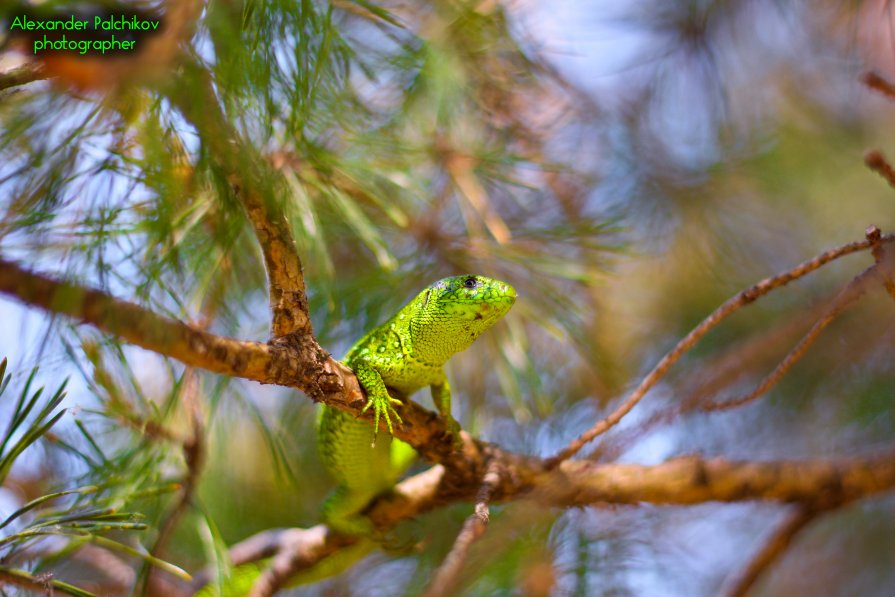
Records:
x=441, y=396
x=378, y=397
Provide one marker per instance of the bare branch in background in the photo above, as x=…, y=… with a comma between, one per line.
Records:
x=194, y=455
x=773, y=550
x=446, y=576
x=878, y=83
x=717, y=316
x=876, y=161
x=849, y=295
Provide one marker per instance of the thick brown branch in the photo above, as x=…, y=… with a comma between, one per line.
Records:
x=812, y=484
x=250, y=176
x=693, y=480
x=725, y=310
x=297, y=362
x=775, y=547
x=138, y=326
x=21, y=75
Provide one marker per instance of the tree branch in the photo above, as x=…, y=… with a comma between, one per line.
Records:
x=877, y=83
x=814, y=485
x=876, y=161
x=139, y=326
x=772, y=551
x=246, y=172
x=694, y=480
x=853, y=291
x=732, y=305
x=473, y=528
x=294, y=361
x=21, y=75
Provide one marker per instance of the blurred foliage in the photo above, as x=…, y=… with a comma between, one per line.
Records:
x=93, y=510
x=627, y=166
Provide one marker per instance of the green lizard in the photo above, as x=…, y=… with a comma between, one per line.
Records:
x=405, y=353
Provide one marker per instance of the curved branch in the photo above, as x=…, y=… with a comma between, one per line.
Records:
x=814, y=485
x=732, y=305
x=293, y=361
x=773, y=549
x=849, y=295
x=247, y=172
x=474, y=527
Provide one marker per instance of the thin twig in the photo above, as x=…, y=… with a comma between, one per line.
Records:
x=721, y=371
x=729, y=307
x=772, y=551
x=194, y=456
x=473, y=528
x=876, y=161
x=877, y=83
x=849, y=295
x=886, y=260
x=21, y=75
x=40, y=583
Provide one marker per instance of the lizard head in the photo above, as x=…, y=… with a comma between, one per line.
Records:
x=453, y=312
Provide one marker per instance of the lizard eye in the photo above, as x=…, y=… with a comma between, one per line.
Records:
x=469, y=282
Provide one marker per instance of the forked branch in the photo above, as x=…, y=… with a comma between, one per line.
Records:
x=849, y=295
x=716, y=317
x=250, y=178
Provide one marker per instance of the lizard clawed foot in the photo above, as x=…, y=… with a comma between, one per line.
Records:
x=383, y=407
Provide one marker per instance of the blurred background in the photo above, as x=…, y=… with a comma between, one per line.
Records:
x=626, y=166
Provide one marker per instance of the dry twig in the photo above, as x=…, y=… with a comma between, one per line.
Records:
x=772, y=551
x=849, y=295
x=473, y=528
x=876, y=161
x=729, y=307
x=194, y=456
x=877, y=83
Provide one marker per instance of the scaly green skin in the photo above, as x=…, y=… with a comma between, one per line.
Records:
x=405, y=353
